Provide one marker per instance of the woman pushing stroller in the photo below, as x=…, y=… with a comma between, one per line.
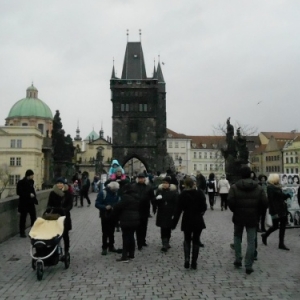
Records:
x=61, y=202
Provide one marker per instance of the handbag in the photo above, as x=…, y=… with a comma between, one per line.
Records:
x=268, y=221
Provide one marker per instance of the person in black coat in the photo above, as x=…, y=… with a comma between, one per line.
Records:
x=146, y=196
x=27, y=201
x=60, y=201
x=165, y=203
x=127, y=212
x=277, y=209
x=192, y=203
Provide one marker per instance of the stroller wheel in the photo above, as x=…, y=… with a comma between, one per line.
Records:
x=33, y=264
x=39, y=270
x=67, y=260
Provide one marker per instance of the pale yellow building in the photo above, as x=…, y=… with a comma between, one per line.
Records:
x=25, y=142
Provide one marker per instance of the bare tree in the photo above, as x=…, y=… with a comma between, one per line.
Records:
x=246, y=130
x=4, y=177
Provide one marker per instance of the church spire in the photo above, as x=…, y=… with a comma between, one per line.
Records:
x=113, y=74
x=77, y=138
x=154, y=71
x=160, y=75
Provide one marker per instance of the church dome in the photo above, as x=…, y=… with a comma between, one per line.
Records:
x=30, y=106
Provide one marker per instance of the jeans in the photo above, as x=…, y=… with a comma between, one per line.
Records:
x=141, y=231
x=211, y=198
x=192, y=236
x=224, y=200
x=128, y=242
x=108, y=230
x=23, y=216
x=238, y=235
x=84, y=194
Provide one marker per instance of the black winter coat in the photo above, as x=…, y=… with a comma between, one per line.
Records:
x=246, y=199
x=146, y=196
x=62, y=203
x=166, y=206
x=127, y=210
x=25, y=187
x=193, y=205
x=277, y=204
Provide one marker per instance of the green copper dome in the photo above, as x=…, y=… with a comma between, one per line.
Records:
x=30, y=106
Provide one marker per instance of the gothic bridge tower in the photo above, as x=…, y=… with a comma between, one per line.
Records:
x=139, y=112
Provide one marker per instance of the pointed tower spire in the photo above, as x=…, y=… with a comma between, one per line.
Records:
x=77, y=138
x=154, y=71
x=113, y=75
x=160, y=75
x=101, y=131
x=134, y=64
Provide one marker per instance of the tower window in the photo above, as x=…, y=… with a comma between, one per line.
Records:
x=143, y=107
x=124, y=107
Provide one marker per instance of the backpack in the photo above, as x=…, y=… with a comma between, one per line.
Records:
x=211, y=185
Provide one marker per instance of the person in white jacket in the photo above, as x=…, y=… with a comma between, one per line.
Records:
x=223, y=188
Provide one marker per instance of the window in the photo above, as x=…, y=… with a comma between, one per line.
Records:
x=292, y=161
x=143, y=107
x=12, y=161
x=19, y=143
x=296, y=159
x=296, y=170
x=176, y=144
x=176, y=156
x=195, y=154
x=205, y=167
x=287, y=160
x=124, y=107
x=170, y=145
x=292, y=170
x=41, y=128
x=11, y=179
x=205, y=155
x=182, y=145
x=24, y=124
x=18, y=161
x=12, y=143
x=287, y=171
x=216, y=167
x=210, y=155
x=195, y=167
x=200, y=155
x=211, y=167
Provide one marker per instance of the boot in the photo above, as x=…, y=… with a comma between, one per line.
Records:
x=169, y=244
x=187, y=253
x=195, y=254
x=282, y=246
x=264, y=238
x=165, y=245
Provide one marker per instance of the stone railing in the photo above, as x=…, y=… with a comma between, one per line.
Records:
x=9, y=216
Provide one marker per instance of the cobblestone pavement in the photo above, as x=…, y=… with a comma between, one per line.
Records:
x=152, y=274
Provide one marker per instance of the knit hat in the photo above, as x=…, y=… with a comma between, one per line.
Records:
x=118, y=169
x=141, y=175
x=29, y=173
x=167, y=179
x=60, y=180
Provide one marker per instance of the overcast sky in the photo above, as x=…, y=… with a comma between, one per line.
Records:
x=221, y=58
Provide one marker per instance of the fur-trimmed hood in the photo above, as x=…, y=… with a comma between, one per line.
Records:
x=172, y=187
x=59, y=192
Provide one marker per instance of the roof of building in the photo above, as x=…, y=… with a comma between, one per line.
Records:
x=159, y=73
x=281, y=135
x=134, y=65
x=30, y=106
x=259, y=149
x=92, y=136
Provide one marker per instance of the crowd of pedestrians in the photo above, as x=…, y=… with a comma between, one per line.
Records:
x=126, y=203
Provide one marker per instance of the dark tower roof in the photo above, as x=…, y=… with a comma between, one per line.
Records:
x=160, y=75
x=134, y=64
x=113, y=75
x=154, y=72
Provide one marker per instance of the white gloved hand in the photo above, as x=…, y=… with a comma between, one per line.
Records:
x=159, y=197
x=31, y=195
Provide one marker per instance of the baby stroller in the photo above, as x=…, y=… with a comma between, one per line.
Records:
x=46, y=234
